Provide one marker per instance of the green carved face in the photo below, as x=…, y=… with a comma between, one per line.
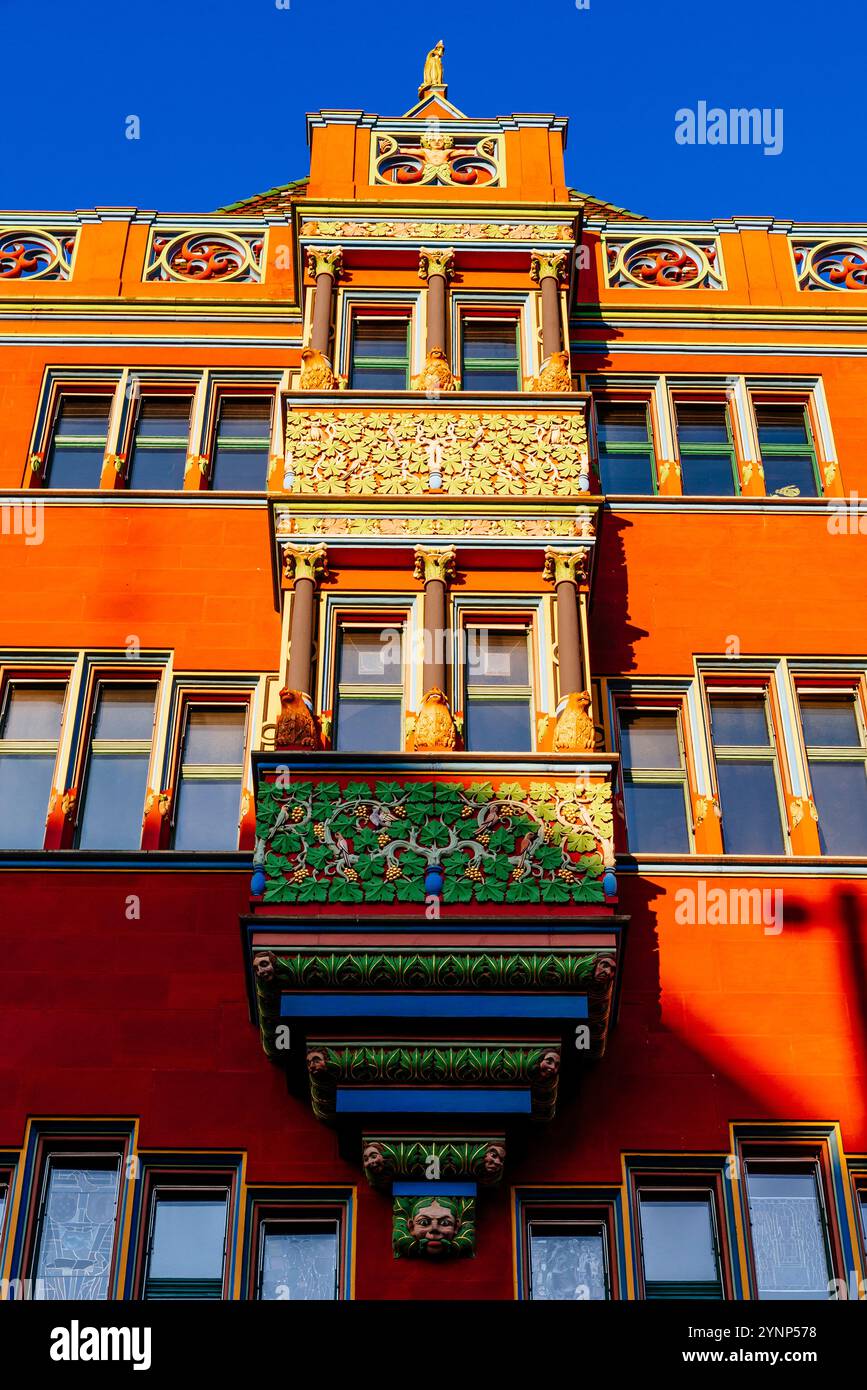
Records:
x=434, y=1223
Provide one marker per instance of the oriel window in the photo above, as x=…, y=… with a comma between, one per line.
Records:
x=368, y=712
x=29, y=732
x=836, y=747
x=379, y=353
x=498, y=705
x=117, y=767
x=242, y=443
x=78, y=441
x=625, y=447
x=654, y=781
x=706, y=448
x=490, y=354
x=160, y=443
x=787, y=449
x=747, y=774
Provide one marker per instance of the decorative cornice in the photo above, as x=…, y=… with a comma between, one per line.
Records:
x=479, y=1158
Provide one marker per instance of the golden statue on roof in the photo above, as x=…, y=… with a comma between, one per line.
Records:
x=433, y=69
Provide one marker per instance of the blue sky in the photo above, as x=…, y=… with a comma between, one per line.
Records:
x=221, y=90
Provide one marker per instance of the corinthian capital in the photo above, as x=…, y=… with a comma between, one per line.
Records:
x=438, y=262
x=435, y=562
x=324, y=260
x=305, y=562
x=565, y=565
x=548, y=265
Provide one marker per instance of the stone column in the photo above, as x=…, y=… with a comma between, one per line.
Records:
x=547, y=270
x=297, y=726
x=325, y=266
x=435, y=728
x=566, y=570
x=435, y=267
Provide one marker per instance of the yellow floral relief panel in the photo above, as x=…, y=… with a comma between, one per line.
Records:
x=405, y=453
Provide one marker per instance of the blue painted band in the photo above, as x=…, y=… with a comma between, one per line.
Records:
x=531, y=1006
x=423, y=1189
x=431, y=1100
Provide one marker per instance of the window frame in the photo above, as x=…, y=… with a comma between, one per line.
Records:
x=490, y=313
x=188, y=700
x=831, y=689
x=367, y=620
x=101, y=676
x=789, y=401
x=290, y=1206
x=586, y=1210
x=184, y=389
x=525, y=620
x=85, y=391
x=798, y=1158
x=687, y=451
x=627, y=449
x=638, y=703
x=71, y=1148
x=203, y=1182
x=232, y=393
x=687, y=1187
x=396, y=313
x=12, y=676
x=717, y=687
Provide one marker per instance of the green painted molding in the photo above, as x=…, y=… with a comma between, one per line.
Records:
x=478, y=1158
x=522, y=969
x=536, y=1065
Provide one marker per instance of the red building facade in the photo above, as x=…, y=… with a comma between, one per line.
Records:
x=433, y=811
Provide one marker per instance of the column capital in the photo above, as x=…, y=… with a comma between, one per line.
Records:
x=324, y=260
x=435, y=562
x=437, y=262
x=548, y=265
x=305, y=562
x=566, y=566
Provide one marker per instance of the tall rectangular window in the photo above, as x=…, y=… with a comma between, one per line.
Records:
x=242, y=442
x=368, y=712
x=298, y=1260
x=654, y=781
x=788, y=452
x=78, y=441
x=490, y=354
x=187, y=1243
x=707, y=454
x=679, y=1246
x=625, y=444
x=76, y=1227
x=379, y=353
x=29, y=731
x=499, y=696
x=568, y=1261
x=160, y=443
x=789, y=1231
x=117, y=767
x=747, y=774
x=208, y=794
x=837, y=758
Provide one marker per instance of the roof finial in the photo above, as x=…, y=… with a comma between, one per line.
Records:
x=433, y=71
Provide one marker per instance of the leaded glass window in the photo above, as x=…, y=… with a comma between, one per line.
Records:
x=568, y=1262
x=299, y=1261
x=76, y=1228
x=789, y=1235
